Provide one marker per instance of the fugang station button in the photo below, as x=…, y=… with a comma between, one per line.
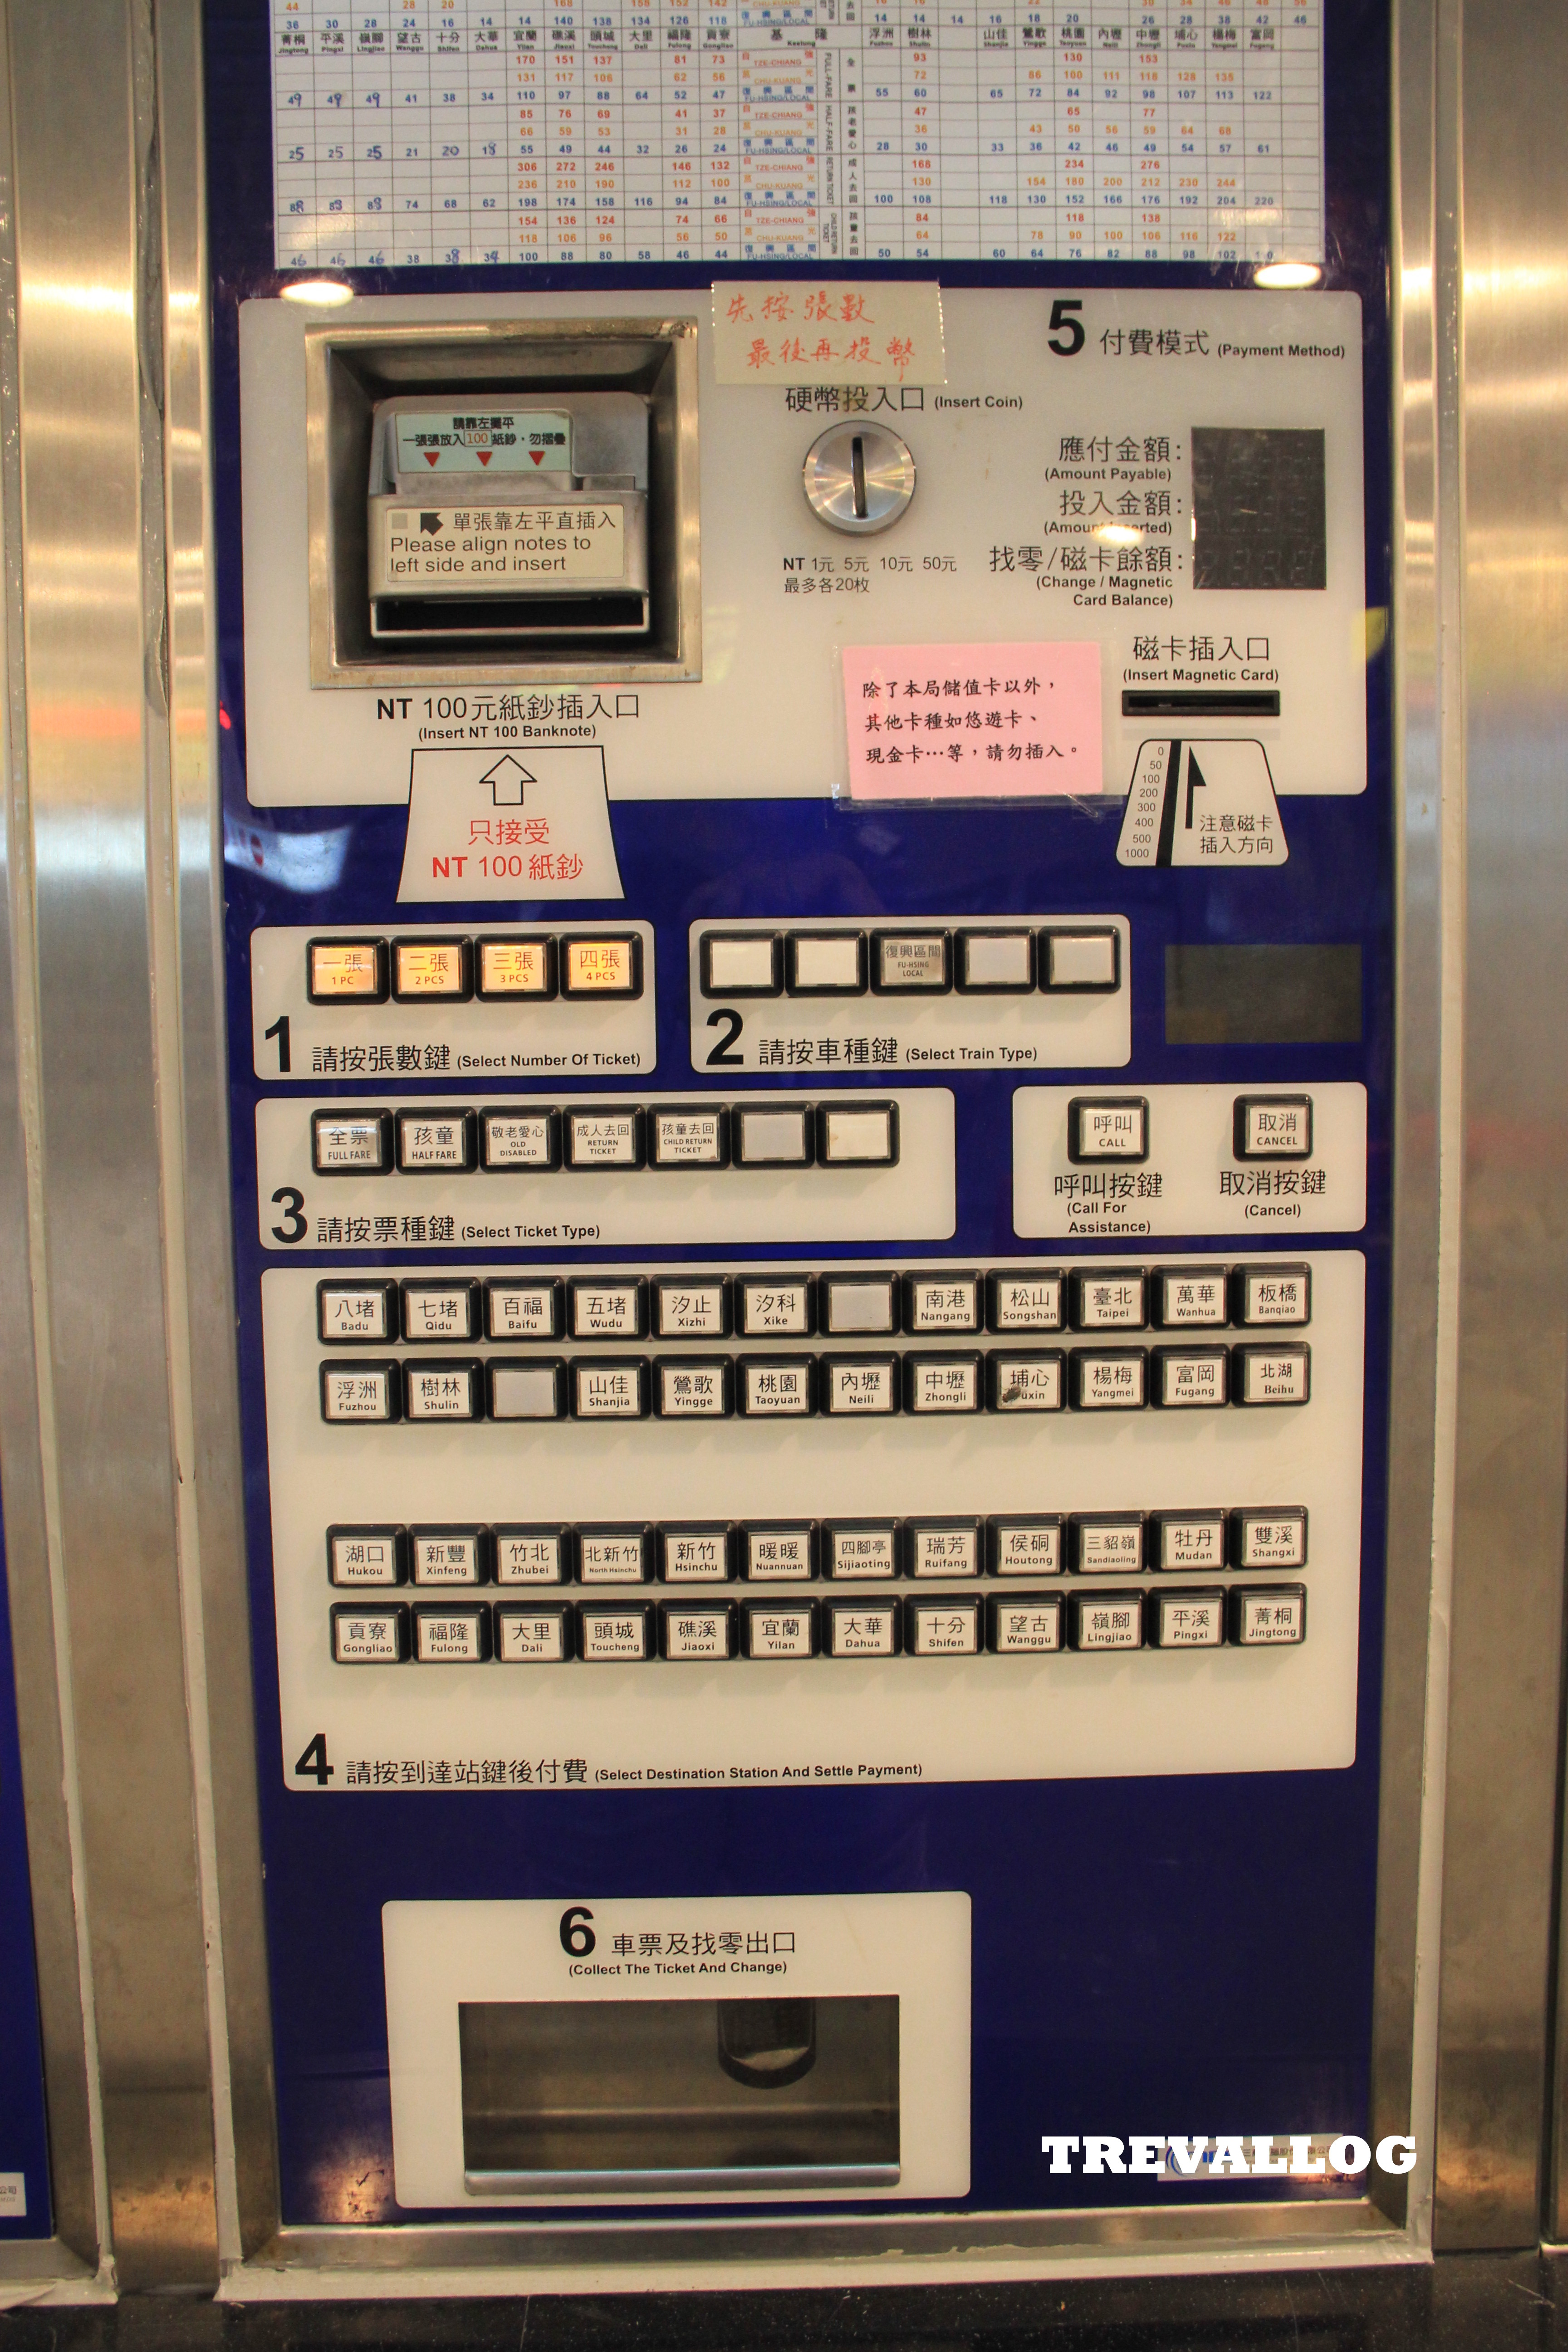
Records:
x=1189, y=1376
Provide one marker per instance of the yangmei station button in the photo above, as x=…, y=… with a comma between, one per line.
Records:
x=527, y=1388
x=1264, y=1297
x=1108, y=1127
x=858, y=1135
x=942, y=1302
x=858, y=1306
x=941, y=1629
x=441, y=1310
x=1108, y=1298
x=615, y=1555
x=1269, y=1538
x=346, y=971
x=693, y=1388
x=1189, y=1376
x=356, y=1313
x=448, y=1555
x=865, y=1385
x=776, y=1387
x=1106, y=1621
x=825, y=964
x=600, y=966
x=523, y=1554
x=691, y=1631
x=1023, y=1624
x=942, y=1384
x=774, y=1307
x=607, y=1136
x=994, y=962
x=1185, y=1542
x=448, y=1391
x=429, y=1141
x=366, y=1556
x=1185, y=1620
x=523, y=1310
x=599, y=1309
x=695, y=1555
x=361, y=1391
x=1028, y=1300
x=1106, y=1543
x=688, y=1135
x=1271, y=1375
x=860, y=1548
x=1080, y=962
x=1272, y=1126
x=510, y=967
x=1267, y=1616
x=1190, y=1298
x=1107, y=1379
x=943, y=1548
x=782, y=1552
x=529, y=1635
x=742, y=963
x=432, y=972
x=776, y=1136
x=860, y=1629
x=614, y=1636
x=609, y=1388
x=370, y=1634
x=520, y=1140
x=1021, y=1380
x=690, y=1306
x=772, y=1629
x=351, y=1142
x=448, y=1636
x=911, y=963
x=1025, y=1547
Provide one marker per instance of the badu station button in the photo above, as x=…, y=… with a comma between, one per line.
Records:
x=353, y=1314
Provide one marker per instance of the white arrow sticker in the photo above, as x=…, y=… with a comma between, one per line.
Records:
x=1204, y=803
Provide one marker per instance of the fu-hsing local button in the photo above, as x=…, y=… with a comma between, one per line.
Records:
x=523, y=1554
x=1026, y=1380
x=1107, y=1379
x=609, y=1388
x=772, y=1629
x=599, y=1309
x=994, y=962
x=523, y=1310
x=942, y=1383
x=520, y=1140
x=432, y=970
x=356, y=1313
x=1190, y=1298
x=773, y=1136
x=1185, y=1620
x=775, y=1307
x=430, y=1141
x=615, y=1555
x=1028, y=1300
x=859, y=1384
x=346, y=971
x=527, y=1388
x=691, y=1308
x=1269, y=1538
x=599, y=966
x=366, y=1554
x=693, y=1388
x=941, y=1629
x=441, y=1310
x=942, y=1302
x=778, y=1553
x=1189, y=1376
x=1187, y=1541
x=691, y=1631
x=859, y=1304
x=942, y=1548
x=1262, y=1375
x=695, y=1555
x=370, y=1635
x=1271, y=1296
x=776, y=1387
x=1107, y=1543
x=1108, y=1298
x=350, y=1143
x=1025, y=1547
x=615, y=1636
x=855, y=1548
x=1023, y=1624
x=1107, y=1126
x=825, y=964
x=1272, y=1126
x=529, y=1635
x=444, y=1636
x=361, y=1392
x=911, y=963
x=1267, y=1616
x=1106, y=1621
x=510, y=968
x=861, y=1629
x=448, y=1555
x=607, y=1136
x=1080, y=962
x=688, y=1135
x=444, y=1392
x=858, y=1135
x=742, y=963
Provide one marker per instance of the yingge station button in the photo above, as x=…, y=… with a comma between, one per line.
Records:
x=825, y=964
x=350, y=1143
x=1022, y=1624
x=1190, y=1298
x=361, y=1392
x=599, y=1309
x=609, y=1388
x=1106, y=1621
x=445, y=1636
x=534, y=1636
x=432, y=1140
x=1267, y=1616
x=773, y=1305
x=1107, y=1126
x=441, y=1310
x=1271, y=1295
x=859, y=1384
x=1107, y=1379
x=520, y=1139
x=772, y=1629
x=366, y=1556
x=531, y=1555
x=1020, y=1382
x=600, y=966
x=448, y=1555
x=776, y=1387
x=942, y=1548
x=346, y=971
x=1080, y=964
x=354, y=1312
x=860, y=1548
x=742, y=963
x=942, y=1302
x=695, y=1555
x=694, y=1630
x=1185, y=1540
x=1272, y=1126
x=1107, y=1543
x=858, y=1135
x=517, y=1309
x=688, y=1135
x=941, y=1629
x=1030, y=1301
x=691, y=1308
x=860, y=1629
x=433, y=971
x=448, y=1391
x=941, y=1384
x=614, y=1636
x=515, y=968
x=604, y=1137
x=911, y=963
x=772, y=1137
x=1031, y=1547
x=1185, y=1620
x=778, y=1554
x=693, y=1388
x=859, y=1303
x=1269, y=1538
x=618, y=1555
x=994, y=964
x=1107, y=1298
x=1272, y=1375
x=527, y=1388
x=1189, y=1376
x=376, y=1635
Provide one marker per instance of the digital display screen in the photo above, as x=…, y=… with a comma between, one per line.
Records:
x=1259, y=517
x=1263, y=995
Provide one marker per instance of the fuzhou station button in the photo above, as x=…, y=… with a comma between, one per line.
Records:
x=1269, y=1538
x=1023, y=1624
x=451, y=1390
x=524, y=1307
x=1106, y=1543
x=742, y=963
x=1080, y=962
x=857, y=1134
x=776, y=1387
x=1026, y=1546
x=1185, y=1542
x=691, y=1631
x=347, y=972
x=431, y=1142
x=360, y=1392
x=508, y=968
x=1189, y=1297
x=1267, y=1616
x=943, y=1548
x=994, y=962
x=911, y=963
x=781, y=1551
x=370, y=1634
x=432, y=970
x=366, y=1554
x=942, y=1629
x=615, y=1555
x=599, y=1307
x=1272, y=1126
x=693, y=1388
x=519, y=1139
x=858, y=1385
x=1026, y=1380
x=1108, y=1127
x=855, y=1306
x=773, y=1135
x=1185, y=1620
x=448, y=1555
x=603, y=1135
x=446, y=1311
x=825, y=964
x=1106, y=1621
x=527, y=1634
x=696, y=1554
x=778, y=1629
x=617, y=1633
x=1107, y=1379
x=451, y=1635
x=351, y=1142
x=1189, y=1376
x=695, y=1307
x=526, y=1554
x=600, y=965
x=1262, y=1375
x=1264, y=1297
x=609, y=1388
x=942, y=1302
x=1027, y=1300
x=1107, y=1298
x=353, y=1314
x=527, y=1388
x=860, y=1629
x=774, y=1307
x=855, y=1547
x=688, y=1135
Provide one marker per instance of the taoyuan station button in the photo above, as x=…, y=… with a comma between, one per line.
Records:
x=861, y=1629
x=1272, y=1126
x=448, y=1635
x=776, y=1387
x=366, y=1554
x=858, y=1135
x=742, y=963
x=1264, y=1297
x=372, y=1633
x=449, y=1555
x=1185, y=1620
x=346, y=971
x=691, y=1631
x=1267, y=1616
x=825, y=964
x=1269, y=1538
x=360, y=1392
x=949, y=1628
x=777, y=1629
x=527, y=1388
x=432, y=972
x=1108, y=1127
x=523, y=1310
x=600, y=966
x=1021, y=1624
x=860, y=1548
x=994, y=962
x=508, y=967
x=1080, y=962
x=353, y=1314
x=615, y=1633
x=530, y=1635
x=522, y=1554
x=351, y=1142
x=1271, y=1375
x=911, y=963
x=429, y=1141
x=441, y=1310
x=520, y=1139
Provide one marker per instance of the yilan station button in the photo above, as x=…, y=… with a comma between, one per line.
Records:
x=346, y=971
x=1113, y=1127
x=507, y=967
x=356, y=1314
x=1272, y=1126
x=773, y=1628
x=527, y=1388
x=600, y=967
x=520, y=1140
x=432, y=970
x=375, y=1555
x=529, y=1635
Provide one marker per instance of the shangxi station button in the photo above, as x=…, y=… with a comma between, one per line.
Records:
x=1108, y=1127
x=600, y=967
x=1273, y=1127
x=346, y=971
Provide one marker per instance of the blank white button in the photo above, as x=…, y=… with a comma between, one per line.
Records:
x=857, y=1307
x=999, y=960
x=772, y=1139
x=867, y=1137
x=525, y=1393
x=1080, y=959
x=827, y=961
x=744, y=966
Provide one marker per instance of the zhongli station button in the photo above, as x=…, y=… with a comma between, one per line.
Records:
x=1264, y=1296
x=1187, y=1541
x=534, y=1636
x=778, y=1554
x=527, y=1388
x=350, y=1143
x=1106, y=1621
x=1267, y=1616
x=693, y=1388
x=1189, y=1376
x=520, y=1140
x=776, y=1387
x=515, y=968
x=1025, y=1547
x=361, y=1392
x=1269, y=1538
x=860, y=1629
x=531, y=1554
x=1273, y=1127
x=346, y=971
x=1030, y=1301
x=428, y=1140
x=600, y=967
x=609, y=1388
x=1272, y=1375
x=942, y=1548
x=1190, y=1298
x=354, y=1313
x=1107, y=1543
x=1108, y=1127
x=859, y=1384
x=1185, y=1620
x=867, y=1548
x=825, y=964
x=432, y=972
x=858, y=1135
x=859, y=1304
x=742, y=963
x=618, y=1555
x=448, y=1555
x=373, y=1634
x=911, y=963
x=441, y=1310
x=688, y=1135
x=1107, y=1298
x=1022, y=1624
x=599, y=1309
x=942, y=1302
x=523, y=1310
x=444, y=1392
x=691, y=1308
x=444, y=1636
x=604, y=1137
x=1026, y=1380
x=773, y=1628
x=1107, y=1379
x=608, y=1637
x=942, y=1383
x=941, y=1629
x=694, y=1555
x=773, y=1307
x=694, y=1630
x=366, y=1554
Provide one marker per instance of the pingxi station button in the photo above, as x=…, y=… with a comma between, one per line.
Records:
x=514, y=1139
x=774, y=1137
x=1108, y=1127
x=1185, y=1620
x=356, y=1314
x=519, y=1308
x=615, y=1555
x=1269, y=1538
x=690, y=1307
x=1080, y=964
x=742, y=963
x=1025, y=1547
x=860, y=1629
x=432, y=972
x=1267, y=1616
x=860, y=1548
x=527, y=1388
x=1262, y=1375
x=446, y=1311
x=693, y=1388
x=781, y=1552
x=356, y=1391
x=911, y=963
x=994, y=964
x=444, y=1636
x=1023, y=1624
x=858, y=1306
x=346, y=971
x=607, y=1136
x=825, y=964
x=366, y=1554
x=370, y=1634
x=600, y=1308
x=448, y=1555
x=615, y=1636
x=1271, y=1297
x=695, y=1555
x=513, y=968
x=351, y=1142
x=777, y=1629
x=600, y=967
x=534, y=1636
x=444, y=1392
x=531, y=1555
x=1185, y=1542
x=688, y=1135
x=1272, y=1126
x=432, y=1141
x=941, y=1629
x=692, y=1631
x=858, y=1135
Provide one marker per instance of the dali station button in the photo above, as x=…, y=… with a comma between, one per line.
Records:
x=942, y=1384
x=777, y=1629
x=507, y=969
x=1107, y=1379
x=351, y=1142
x=1185, y=1542
x=432, y=972
x=600, y=967
x=449, y=1555
x=599, y=1309
x=1106, y=1543
x=858, y=1135
x=1108, y=1298
x=776, y=1387
x=614, y=1634
x=366, y=1556
x=775, y=1136
x=690, y=1306
x=994, y=962
x=942, y=1302
x=1189, y=1297
x=615, y=1555
x=1189, y=1376
x=605, y=1135
x=432, y=1141
x=346, y=971
x=1272, y=1126
x=446, y=1311
x=521, y=1308
x=1108, y=1127
x=1267, y=1616
x=356, y=1314
x=1262, y=1375
x=1264, y=1297
x=692, y=1631
x=1025, y=1547
x=1023, y=1624
x=1080, y=962
x=530, y=1635
x=863, y=1385
x=942, y=1629
x=911, y=963
x=517, y=1140
x=370, y=1634
x=448, y=1635
x=693, y=1388
x=860, y=1548
x=695, y=1555
x=521, y=1554
x=527, y=1388
x=1185, y=1620
x=774, y=1307
x=609, y=1388
x=935, y=1547
x=825, y=964
x=1105, y=1621
x=1028, y=1300
x=1269, y=1538
x=858, y=1305
x=1026, y=1380
x=359, y=1391
x=688, y=1135
x=781, y=1552
x=444, y=1392
x=741, y=963
x=860, y=1629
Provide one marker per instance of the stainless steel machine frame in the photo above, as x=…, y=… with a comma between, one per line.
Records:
x=121, y=1489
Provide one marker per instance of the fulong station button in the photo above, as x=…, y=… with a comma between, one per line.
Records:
x=1023, y=1624
x=370, y=1633
x=825, y=964
x=374, y=1555
x=1272, y=1126
x=741, y=963
x=527, y=1388
x=1105, y=1621
x=509, y=969
x=441, y=1310
x=688, y=1135
x=524, y=1307
x=1267, y=1616
x=911, y=963
x=1024, y=1546
x=600, y=966
x=857, y=1134
x=615, y=1555
x=437, y=1141
x=530, y=1634
x=691, y=1632
x=693, y=1388
x=427, y=971
x=1179, y=1620
x=616, y=1633
x=356, y=1314
x=1185, y=1542
x=449, y=1555
x=858, y=1305
x=346, y=971
x=603, y=1135
x=1107, y=1128
x=1025, y=1380
x=524, y=1554
x=861, y=1629
x=518, y=1141
x=1269, y=1538
x=778, y=1629
x=351, y=1142
x=451, y=1635
x=1080, y=962
x=1189, y=1376
x=949, y=1628
x=1270, y=1297
x=993, y=962
x=690, y=1306
x=700, y=1553
x=606, y=1307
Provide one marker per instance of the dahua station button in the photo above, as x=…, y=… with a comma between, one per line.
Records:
x=858, y=1306
x=860, y=1548
x=513, y=968
x=911, y=963
x=994, y=962
x=692, y=1631
x=598, y=1307
x=448, y=1555
x=1025, y=1547
x=1187, y=1542
x=698, y=1554
x=857, y=1134
x=431, y=1142
x=772, y=1136
x=1080, y=964
x=1107, y=1543
x=358, y=1391
x=608, y=1135
x=778, y=1629
x=520, y=1140
x=941, y=1629
x=441, y=1310
x=1189, y=1297
x=694, y=1307
x=527, y=1388
x=1271, y=1297
x=688, y=1135
x=1023, y=1624
x=1189, y=1376
x=520, y=1308
x=693, y=1388
x=825, y=964
x=614, y=1634
x=1106, y=1621
x=1108, y=1298
x=1185, y=1620
x=356, y=1313
x=1272, y=1126
x=432, y=972
x=1026, y=1380
x=609, y=1388
x=1263, y=1375
x=346, y=971
x=370, y=1633
x=529, y=1634
x=450, y=1635
x=615, y=1555
x=366, y=1554
x=782, y=1552
x=1267, y=1616
x=773, y=1307
x=1108, y=1127
x=443, y=1391
x=523, y=1554
x=860, y=1629
x=1269, y=1538
x=1107, y=1379
x=600, y=966
x=742, y=963
x=942, y=1302
x=351, y=1142
x=1028, y=1300
x=942, y=1548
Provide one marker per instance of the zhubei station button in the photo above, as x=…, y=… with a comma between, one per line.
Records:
x=510, y=968
x=1108, y=1127
x=350, y=1143
x=742, y=963
x=600, y=967
x=346, y=971
x=531, y=1554
x=354, y=1313
x=432, y=972
x=1273, y=1127
x=1080, y=964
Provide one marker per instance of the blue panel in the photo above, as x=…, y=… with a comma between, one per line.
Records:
x=24, y=2143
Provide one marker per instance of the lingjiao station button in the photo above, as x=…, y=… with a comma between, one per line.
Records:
x=861, y=1629
x=527, y=1634
x=941, y=1629
x=1023, y=1624
x=1106, y=1621
x=370, y=1634
x=773, y=1628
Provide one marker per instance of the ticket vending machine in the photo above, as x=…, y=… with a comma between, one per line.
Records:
x=805, y=709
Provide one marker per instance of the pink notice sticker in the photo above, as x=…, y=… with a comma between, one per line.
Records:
x=971, y=722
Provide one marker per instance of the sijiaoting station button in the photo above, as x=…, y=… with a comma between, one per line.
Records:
x=856, y=1548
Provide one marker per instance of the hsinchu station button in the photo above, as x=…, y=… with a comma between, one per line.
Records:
x=346, y=971
x=1108, y=1127
x=600, y=966
x=1273, y=1127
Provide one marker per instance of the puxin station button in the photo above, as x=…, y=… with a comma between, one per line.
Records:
x=1107, y=1128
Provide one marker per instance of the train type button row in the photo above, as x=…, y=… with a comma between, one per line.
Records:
x=1252, y=1540
x=1007, y=960
x=871, y=1304
x=468, y=1633
x=511, y=1139
x=430, y=970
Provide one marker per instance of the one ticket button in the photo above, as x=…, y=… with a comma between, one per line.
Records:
x=449, y=1555
x=942, y=1302
x=1080, y=962
x=432, y=972
x=609, y=1388
x=742, y=963
x=693, y=1388
x=942, y=1384
x=511, y=968
x=1269, y=1538
x=444, y=1392
x=1107, y=1379
x=355, y=1313
x=1030, y=1301
x=825, y=964
x=851, y=1385
x=1185, y=1620
x=858, y=1135
x=779, y=1136
x=858, y=1306
x=1272, y=1126
x=346, y=971
x=366, y=1554
x=1271, y=1297
x=1108, y=1127
x=1106, y=1621
x=600, y=966
x=1267, y=1616
x=911, y=963
x=696, y=1554
x=615, y=1555
x=1108, y=1298
x=431, y=1142
x=615, y=1636
x=941, y=1629
x=600, y=1308
x=994, y=962
x=1025, y=1547
x=778, y=1552
x=525, y=1554
x=376, y=1635
x=1190, y=1298
x=529, y=1635
x=1189, y=1376
x=524, y=1309
x=692, y=1631
x=605, y=1136
x=776, y=1387
x=1106, y=1543
x=860, y=1629
x=1026, y=1380
x=448, y=1636
x=361, y=1392
x=520, y=1140
x=690, y=1306
x=688, y=1135
x=856, y=1548
x=441, y=1310
x=774, y=1307
x=772, y=1629
x=1271, y=1375
x=1185, y=1541
x=350, y=1143
x=527, y=1388
x=1023, y=1624
x=935, y=1547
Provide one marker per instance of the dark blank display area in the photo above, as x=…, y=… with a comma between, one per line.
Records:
x=1263, y=995
x=1259, y=516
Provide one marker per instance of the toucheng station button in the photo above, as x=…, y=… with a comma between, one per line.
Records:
x=372, y=1633
x=446, y=1635
x=858, y=1135
x=366, y=1554
x=527, y=1388
x=1025, y=1547
x=351, y=1142
x=860, y=1548
x=520, y=1140
x=1023, y=1624
x=911, y=963
x=353, y=1314
x=522, y=1554
x=692, y=1631
x=356, y=1391
x=524, y=1309
x=1108, y=1127
x=1267, y=1616
x=1272, y=1126
x=861, y=1629
x=510, y=968
x=1276, y=1375
x=941, y=1629
x=346, y=971
x=530, y=1635
x=994, y=962
x=600, y=966
x=825, y=964
x=1185, y=1620
x=1271, y=1297
x=615, y=1636
x=431, y=1142
x=608, y=1135
x=441, y=1310
x=1080, y=962
x=432, y=972
x=449, y=1555
x=742, y=963
x=772, y=1629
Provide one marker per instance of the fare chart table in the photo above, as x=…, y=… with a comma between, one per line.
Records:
x=796, y=131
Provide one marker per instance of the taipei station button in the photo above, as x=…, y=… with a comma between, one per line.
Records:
x=825, y=964
x=742, y=963
x=524, y=1554
x=510, y=968
x=599, y=1307
x=858, y=1135
x=1267, y=1616
x=366, y=1554
x=694, y=1555
x=942, y=1383
x=941, y=1629
x=520, y=1140
x=600, y=966
x=777, y=1306
x=1107, y=1543
x=860, y=1629
x=351, y=1142
x=911, y=963
x=356, y=1391
x=1023, y=1624
x=1271, y=1297
x=778, y=1629
x=608, y=1135
x=355, y=1313
x=615, y=1555
x=772, y=1136
x=346, y=971
x=432, y=1140
x=1189, y=1376
x=524, y=1307
x=776, y=1387
x=609, y=1388
x=1107, y=1298
x=1272, y=1126
x=444, y=1392
x=858, y=1306
x=860, y=1548
x=1025, y=1547
x=1080, y=962
x=448, y=1634
x=1029, y=1299
x=994, y=962
x=942, y=1302
x=1269, y=1538
x=693, y=1388
x=942, y=1548
x=1190, y=1298
x=432, y=972
x=613, y=1635
x=1185, y=1620
x=690, y=1306
x=778, y=1553
x=692, y=1631
x=527, y=1388
x=441, y=1310
x=1113, y=1127
x=527, y=1634
x=1263, y=1375
x=1185, y=1542
x=1106, y=1621
x=370, y=1634
x=1026, y=1380
x=850, y=1385
x=1107, y=1379
x=688, y=1135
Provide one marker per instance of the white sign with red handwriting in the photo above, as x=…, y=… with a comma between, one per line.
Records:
x=972, y=723
x=824, y=331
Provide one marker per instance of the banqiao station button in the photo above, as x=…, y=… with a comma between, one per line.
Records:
x=1272, y=1126
x=356, y=1314
x=346, y=971
x=1270, y=1296
x=1108, y=1127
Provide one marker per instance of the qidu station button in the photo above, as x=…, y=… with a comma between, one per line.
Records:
x=1189, y=1376
x=935, y=1547
x=615, y=1636
x=441, y=1310
x=860, y=1548
x=994, y=962
x=615, y=1555
x=863, y=1385
x=606, y=1135
x=353, y=1314
x=370, y=1634
x=1273, y=1127
x=942, y=1302
x=1028, y=1300
x=366, y=1556
x=1264, y=1296
x=432, y=972
x=688, y=1135
x=351, y=1142
x=534, y=1636
x=693, y=1388
x=1185, y=1620
x=444, y=1392
x=774, y=1307
x=512, y=1140
x=1185, y=1542
x=609, y=1388
x=346, y=971
x=1272, y=1375
x=522, y=1309
x=825, y=964
x=1106, y=1621
x=1107, y=1543
x=1023, y=1624
x=742, y=963
x=858, y=1135
x=1108, y=1298
x=1267, y=1616
x=861, y=1629
x=356, y=1391
x=527, y=1388
x=513, y=968
x=691, y=1308
x=600, y=1308
x=1108, y=1127
x=942, y=1629
x=779, y=1136
x=1026, y=1380
x=1080, y=964
x=774, y=1628
x=600, y=966
x=853, y=1305
x=776, y=1387
x=782, y=1552
x=522, y=1554
x=430, y=1141
x=1189, y=1297
x=1025, y=1547
x=449, y=1555
x=692, y=1631
x=698, y=1554
x=1107, y=1379
x=1269, y=1538
x=911, y=963
x=444, y=1636
x=942, y=1384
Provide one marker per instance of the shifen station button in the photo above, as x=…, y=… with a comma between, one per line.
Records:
x=1108, y=1127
